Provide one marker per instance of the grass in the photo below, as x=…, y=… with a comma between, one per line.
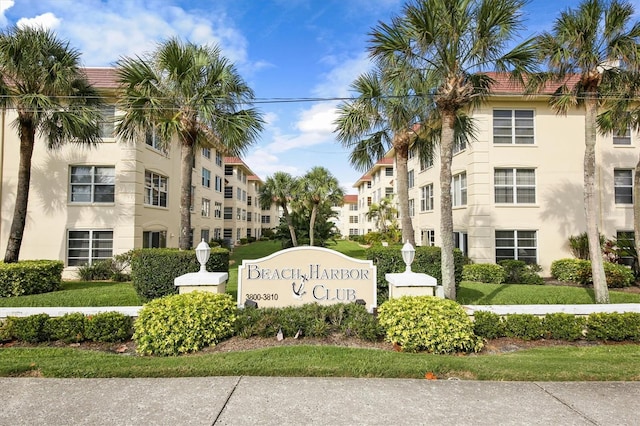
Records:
x=79, y=293
x=518, y=294
x=603, y=362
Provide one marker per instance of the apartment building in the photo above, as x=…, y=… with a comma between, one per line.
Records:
x=376, y=184
x=87, y=204
x=517, y=188
x=346, y=220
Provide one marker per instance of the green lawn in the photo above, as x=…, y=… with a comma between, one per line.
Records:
x=604, y=362
x=79, y=293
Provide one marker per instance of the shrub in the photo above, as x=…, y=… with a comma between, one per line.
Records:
x=614, y=326
x=30, y=277
x=488, y=325
x=184, y=323
x=100, y=270
x=153, y=270
x=312, y=320
x=69, y=328
x=484, y=273
x=618, y=276
x=579, y=271
x=523, y=326
x=428, y=323
x=31, y=329
x=108, y=327
x=561, y=326
x=519, y=272
x=579, y=245
x=571, y=270
x=427, y=260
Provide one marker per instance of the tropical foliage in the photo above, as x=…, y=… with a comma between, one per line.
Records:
x=191, y=95
x=41, y=78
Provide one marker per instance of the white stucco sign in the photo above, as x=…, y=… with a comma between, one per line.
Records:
x=302, y=275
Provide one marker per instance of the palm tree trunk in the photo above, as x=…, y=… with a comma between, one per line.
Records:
x=402, y=156
x=446, y=209
x=591, y=204
x=292, y=230
x=27, y=140
x=186, y=152
x=312, y=223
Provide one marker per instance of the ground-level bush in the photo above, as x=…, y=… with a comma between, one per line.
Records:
x=523, y=326
x=484, y=273
x=519, y=272
x=579, y=271
x=183, y=323
x=30, y=277
x=562, y=326
x=426, y=323
x=488, y=325
x=614, y=326
x=309, y=320
x=153, y=271
x=108, y=327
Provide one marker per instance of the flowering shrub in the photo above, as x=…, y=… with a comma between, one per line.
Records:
x=183, y=323
x=426, y=323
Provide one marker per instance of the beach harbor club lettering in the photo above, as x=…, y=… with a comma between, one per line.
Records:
x=315, y=272
x=306, y=275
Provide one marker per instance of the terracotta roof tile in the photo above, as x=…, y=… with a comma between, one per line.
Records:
x=351, y=199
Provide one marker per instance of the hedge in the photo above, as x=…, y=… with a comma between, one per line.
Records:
x=30, y=277
x=579, y=271
x=427, y=260
x=153, y=270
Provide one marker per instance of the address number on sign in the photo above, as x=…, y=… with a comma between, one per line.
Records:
x=263, y=296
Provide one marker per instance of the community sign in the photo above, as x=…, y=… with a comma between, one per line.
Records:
x=306, y=274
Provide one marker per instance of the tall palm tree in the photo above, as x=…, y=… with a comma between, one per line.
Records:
x=382, y=117
x=280, y=189
x=191, y=95
x=318, y=187
x=41, y=78
x=596, y=43
x=453, y=43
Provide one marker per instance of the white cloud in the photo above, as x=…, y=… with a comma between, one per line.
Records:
x=4, y=6
x=318, y=119
x=337, y=81
x=46, y=20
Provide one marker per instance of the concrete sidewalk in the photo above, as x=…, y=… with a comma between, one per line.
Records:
x=321, y=401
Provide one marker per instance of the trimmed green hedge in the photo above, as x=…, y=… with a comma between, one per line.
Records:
x=484, y=273
x=579, y=271
x=30, y=277
x=70, y=328
x=153, y=270
x=388, y=260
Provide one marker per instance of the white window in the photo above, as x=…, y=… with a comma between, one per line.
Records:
x=206, y=178
x=460, y=241
x=353, y=219
x=217, y=209
x=92, y=184
x=426, y=198
x=228, y=233
x=622, y=138
x=206, y=208
x=107, y=121
x=515, y=186
x=217, y=233
x=228, y=170
x=353, y=231
x=218, y=187
x=459, y=190
x=204, y=235
x=426, y=163
x=155, y=187
x=623, y=186
x=410, y=179
x=151, y=138
x=513, y=127
x=353, y=207
x=193, y=199
x=518, y=245
x=154, y=239
x=206, y=153
x=388, y=171
x=265, y=219
x=429, y=237
x=88, y=246
x=459, y=145
x=412, y=207
x=218, y=159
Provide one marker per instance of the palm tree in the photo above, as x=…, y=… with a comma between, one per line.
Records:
x=452, y=43
x=589, y=52
x=41, y=78
x=280, y=189
x=382, y=117
x=383, y=213
x=192, y=95
x=319, y=187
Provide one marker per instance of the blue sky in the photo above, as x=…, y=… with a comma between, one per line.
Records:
x=283, y=48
